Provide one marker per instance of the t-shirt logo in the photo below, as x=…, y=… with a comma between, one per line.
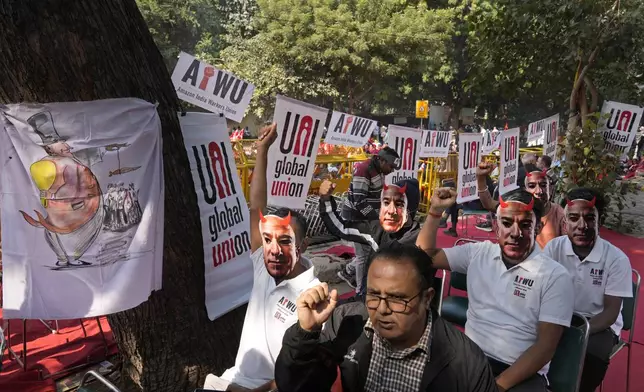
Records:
x=522, y=286
x=596, y=275
x=285, y=308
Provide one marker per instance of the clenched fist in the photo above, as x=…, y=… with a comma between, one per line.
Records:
x=326, y=189
x=484, y=169
x=267, y=136
x=314, y=307
x=442, y=199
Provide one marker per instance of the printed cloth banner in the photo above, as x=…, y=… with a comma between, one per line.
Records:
x=435, y=144
x=81, y=187
x=406, y=142
x=536, y=129
x=491, y=142
x=436, y=117
x=550, y=135
x=291, y=159
x=349, y=130
x=469, y=150
x=224, y=214
x=210, y=88
x=618, y=124
x=509, y=168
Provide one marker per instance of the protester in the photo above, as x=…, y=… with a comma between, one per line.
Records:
x=395, y=224
x=519, y=299
x=394, y=343
x=281, y=273
x=603, y=277
x=362, y=204
x=537, y=183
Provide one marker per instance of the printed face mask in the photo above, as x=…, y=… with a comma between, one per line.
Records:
x=582, y=220
x=538, y=183
x=393, y=208
x=280, y=247
x=516, y=229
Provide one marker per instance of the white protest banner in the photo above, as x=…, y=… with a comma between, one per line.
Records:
x=291, y=159
x=435, y=144
x=509, y=167
x=536, y=129
x=81, y=190
x=349, y=130
x=618, y=124
x=550, y=135
x=491, y=141
x=406, y=142
x=210, y=88
x=469, y=150
x=225, y=218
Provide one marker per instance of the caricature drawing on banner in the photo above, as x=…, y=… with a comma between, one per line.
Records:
x=349, y=130
x=85, y=196
x=469, y=150
x=435, y=144
x=406, y=142
x=618, y=124
x=491, y=141
x=225, y=217
x=292, y=157
x=509, y=168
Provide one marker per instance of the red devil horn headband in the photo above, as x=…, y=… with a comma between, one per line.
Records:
x=525, y=207
x=591, y=202
x=542, y=172
x=386, y=187
x=403, y=189
x=286, y=221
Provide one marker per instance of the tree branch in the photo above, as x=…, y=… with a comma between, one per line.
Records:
x=594, y=94
x=582, y=75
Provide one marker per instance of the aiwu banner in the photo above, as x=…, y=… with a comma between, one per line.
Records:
x=435, y=144
x=224, y=214
x=291, y=159
x=349, y=130
x=618, y=124
x=217, y=91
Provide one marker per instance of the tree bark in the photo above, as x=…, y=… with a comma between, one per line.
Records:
x=57, y=51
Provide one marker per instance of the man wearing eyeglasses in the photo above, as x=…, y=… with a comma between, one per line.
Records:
x=394, y=341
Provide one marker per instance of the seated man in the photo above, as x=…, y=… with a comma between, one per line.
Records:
x=537, y=183
x=394, y=343
x=519, y=299
x=281, y=273
x=603, y=277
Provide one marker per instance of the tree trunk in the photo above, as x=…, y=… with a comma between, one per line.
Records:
x=56, y=51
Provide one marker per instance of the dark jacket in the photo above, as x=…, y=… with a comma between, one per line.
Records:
x=366, y=232
x=308, y=360
x=363, y=198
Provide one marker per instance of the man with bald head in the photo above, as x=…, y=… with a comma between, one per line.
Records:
x=281, y=273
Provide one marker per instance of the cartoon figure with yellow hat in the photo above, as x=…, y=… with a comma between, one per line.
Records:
x=70, y=195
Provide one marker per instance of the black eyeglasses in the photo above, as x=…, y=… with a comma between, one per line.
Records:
x=396, y=305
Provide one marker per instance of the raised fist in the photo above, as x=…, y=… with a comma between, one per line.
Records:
x=484, y=169
x=326, y=189
x=442, y=199
x=314, y=307
x=267, y=136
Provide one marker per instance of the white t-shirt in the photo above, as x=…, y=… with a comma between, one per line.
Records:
x=506, y=305
x=271, y=311
x=605, y=271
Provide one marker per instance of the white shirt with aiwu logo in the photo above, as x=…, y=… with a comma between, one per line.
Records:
x=271, y=311
x=605, y=271
x=506, y=305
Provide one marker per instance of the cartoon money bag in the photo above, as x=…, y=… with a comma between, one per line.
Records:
x=69, y=193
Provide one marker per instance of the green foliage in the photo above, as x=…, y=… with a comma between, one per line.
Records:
x=188, y=25
x=357, y=55
x=585, y=163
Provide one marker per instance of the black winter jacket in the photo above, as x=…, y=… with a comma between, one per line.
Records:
x=308, y=360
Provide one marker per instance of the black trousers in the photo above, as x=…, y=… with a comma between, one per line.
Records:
x=536, y=383
x=600, y=345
